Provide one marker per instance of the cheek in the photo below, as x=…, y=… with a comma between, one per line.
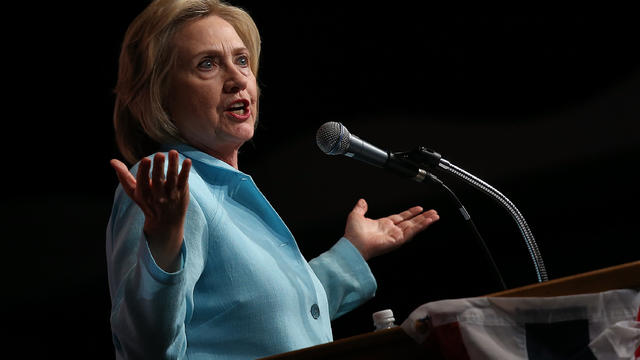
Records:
x=194, y=106
x=254, y=106
x=205, y=104
x=254, y=94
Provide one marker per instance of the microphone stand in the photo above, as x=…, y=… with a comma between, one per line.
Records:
x=432, y=159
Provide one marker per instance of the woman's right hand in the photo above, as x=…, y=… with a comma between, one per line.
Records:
x=163, y=201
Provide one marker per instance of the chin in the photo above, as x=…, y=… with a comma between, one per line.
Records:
x=245, y=132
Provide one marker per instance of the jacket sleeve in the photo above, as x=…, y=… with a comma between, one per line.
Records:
x=150, y=306
x=345, y=276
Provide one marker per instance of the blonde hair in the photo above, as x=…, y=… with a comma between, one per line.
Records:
x=140, y=120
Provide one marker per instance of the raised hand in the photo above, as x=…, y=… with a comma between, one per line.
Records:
x=164, y=202
x=376, y=237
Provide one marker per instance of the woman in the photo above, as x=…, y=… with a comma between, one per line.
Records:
x=199, y=264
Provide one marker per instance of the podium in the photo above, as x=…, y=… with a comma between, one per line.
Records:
x=396, y=344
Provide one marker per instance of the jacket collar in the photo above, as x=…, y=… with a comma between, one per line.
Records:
x=197, y=155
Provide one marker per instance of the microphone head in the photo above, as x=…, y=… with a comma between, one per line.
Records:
x=333, y=138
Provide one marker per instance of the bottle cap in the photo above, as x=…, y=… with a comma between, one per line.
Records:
x=383, y=315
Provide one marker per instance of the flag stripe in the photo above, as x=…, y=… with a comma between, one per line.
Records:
x=450, y=341
x=558, y=340
x=638, y=348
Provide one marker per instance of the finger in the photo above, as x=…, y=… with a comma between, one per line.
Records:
x=432, y=214
x=125, y=178
x=360, y=208
x=158, y=168
x=419, y=223
x=172, y=171
x=183, y=178
x=407, y=214
x=142, y=178
x=157, y=176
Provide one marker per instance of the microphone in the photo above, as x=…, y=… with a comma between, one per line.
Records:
x=334, y=139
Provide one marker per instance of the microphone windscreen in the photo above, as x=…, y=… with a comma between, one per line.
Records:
x=333, y=138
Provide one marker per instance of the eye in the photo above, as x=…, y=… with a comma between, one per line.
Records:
x=206, y=64
x=242, y=60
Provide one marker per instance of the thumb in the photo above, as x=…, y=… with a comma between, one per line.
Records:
x=125, y=178
x=360, y=208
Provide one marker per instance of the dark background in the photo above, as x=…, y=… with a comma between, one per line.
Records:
x=543, y=106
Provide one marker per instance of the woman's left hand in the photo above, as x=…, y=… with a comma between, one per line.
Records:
x=376, y=237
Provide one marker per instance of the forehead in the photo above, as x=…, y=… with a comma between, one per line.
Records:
x=208, y=33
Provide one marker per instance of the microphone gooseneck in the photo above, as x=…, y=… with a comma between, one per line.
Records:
x=525, y=231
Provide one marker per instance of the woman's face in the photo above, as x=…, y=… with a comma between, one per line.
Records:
x=212, y=97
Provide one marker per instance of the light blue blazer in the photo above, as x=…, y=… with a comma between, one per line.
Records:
x=244, y=290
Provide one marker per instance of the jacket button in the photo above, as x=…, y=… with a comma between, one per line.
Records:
x=315, y=311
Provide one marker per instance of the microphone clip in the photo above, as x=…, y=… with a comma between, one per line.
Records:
x=419, y=159
x=422, y=157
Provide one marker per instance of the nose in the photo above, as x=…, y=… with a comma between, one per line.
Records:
x=235, y=80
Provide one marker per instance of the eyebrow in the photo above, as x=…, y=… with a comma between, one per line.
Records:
x=217, y=52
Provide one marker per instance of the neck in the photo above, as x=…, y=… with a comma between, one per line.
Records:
x=230, y=156
x=224, y=152
x=231, y=159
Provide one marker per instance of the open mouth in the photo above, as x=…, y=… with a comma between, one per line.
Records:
x=239, y=109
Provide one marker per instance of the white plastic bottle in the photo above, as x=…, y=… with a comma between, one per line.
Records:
x=383, y=319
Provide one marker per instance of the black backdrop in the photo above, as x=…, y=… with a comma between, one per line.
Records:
x=543, y=107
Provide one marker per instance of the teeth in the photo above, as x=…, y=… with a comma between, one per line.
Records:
x=237, y=106
x=237, y=109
